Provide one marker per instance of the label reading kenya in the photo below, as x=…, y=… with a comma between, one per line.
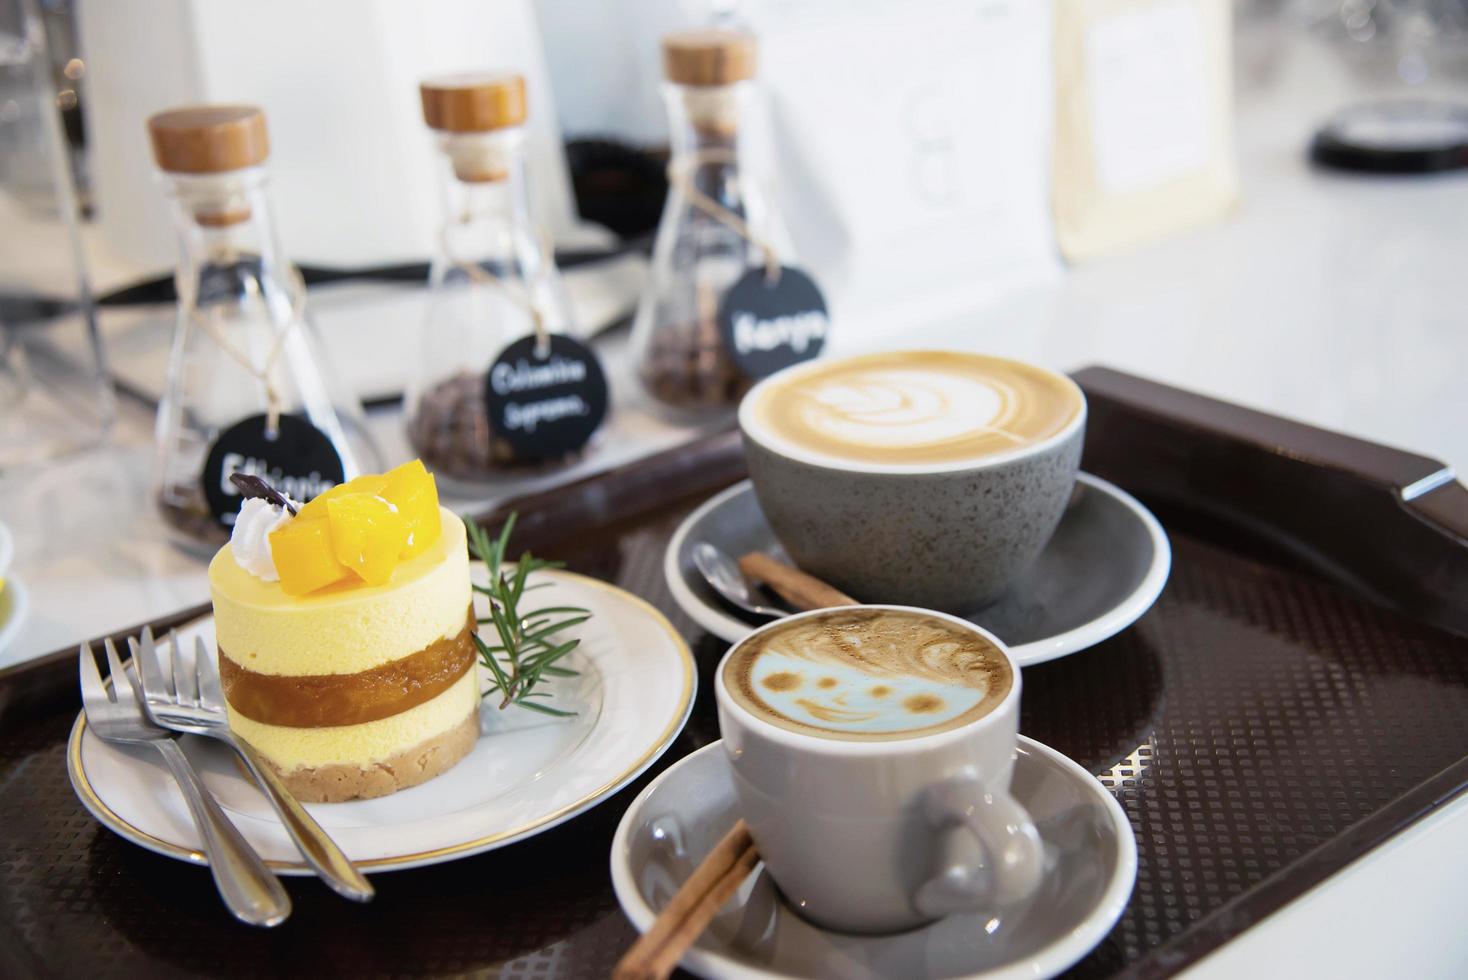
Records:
x=768, y=324
x=297, y=460
x=545, y=407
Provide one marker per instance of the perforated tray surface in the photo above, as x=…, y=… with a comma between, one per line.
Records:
x=1260, y=726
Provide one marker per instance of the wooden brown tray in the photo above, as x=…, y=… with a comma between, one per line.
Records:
x=1298, y=694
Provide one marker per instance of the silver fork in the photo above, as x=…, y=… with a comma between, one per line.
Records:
x=191, y=701
x=248, y=888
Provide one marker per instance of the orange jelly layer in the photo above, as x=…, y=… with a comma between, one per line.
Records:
x=330, y=700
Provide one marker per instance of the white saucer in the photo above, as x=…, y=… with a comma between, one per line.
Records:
x=1103, y=568
x=527, y=773
x=15, y=603
x=1091, y=868
x=14, y=598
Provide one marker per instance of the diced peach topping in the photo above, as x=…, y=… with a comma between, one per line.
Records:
x=303, y=556
x=412, y=490
x=367, y=535
x=370, y=484
x=359, y=530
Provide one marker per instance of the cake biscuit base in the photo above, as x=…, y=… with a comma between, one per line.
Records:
x=418, y=764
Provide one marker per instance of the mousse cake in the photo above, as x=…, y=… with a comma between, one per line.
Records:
x=344, y=629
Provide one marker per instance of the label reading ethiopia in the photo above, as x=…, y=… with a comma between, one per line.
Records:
x=296, y=458
x=545, y=403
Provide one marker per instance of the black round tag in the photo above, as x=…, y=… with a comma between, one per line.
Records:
x=768, y=324
x=545, y=407
x=297, y=460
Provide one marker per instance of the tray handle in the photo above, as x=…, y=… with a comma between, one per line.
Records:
x=1388, y=524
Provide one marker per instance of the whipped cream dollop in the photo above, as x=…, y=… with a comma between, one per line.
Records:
x=250, y=539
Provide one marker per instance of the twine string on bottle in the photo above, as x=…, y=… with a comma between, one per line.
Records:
x=210, y=323
x=479, y=275
x=680, y=175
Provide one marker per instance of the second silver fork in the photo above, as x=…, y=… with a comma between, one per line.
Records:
x=115, y=714
x=192, y=701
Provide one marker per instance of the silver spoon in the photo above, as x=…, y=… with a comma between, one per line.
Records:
x=724, y=577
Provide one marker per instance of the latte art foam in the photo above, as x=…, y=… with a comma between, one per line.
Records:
x=915, y=407
x=868, y=674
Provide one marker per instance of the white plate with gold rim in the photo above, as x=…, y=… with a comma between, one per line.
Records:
x=527, y=773
x=14, y=600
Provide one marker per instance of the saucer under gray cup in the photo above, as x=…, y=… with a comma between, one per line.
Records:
x=677, y=819
x=882, y=836
x=949, y=535
x=1103, y=568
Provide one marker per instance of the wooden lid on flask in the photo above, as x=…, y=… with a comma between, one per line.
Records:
x=708, y=57
x=473, y=102
x=209, y=139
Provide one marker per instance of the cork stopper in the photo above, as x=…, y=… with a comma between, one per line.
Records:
x=473, y=103
x=708, y=57
x=209, y=139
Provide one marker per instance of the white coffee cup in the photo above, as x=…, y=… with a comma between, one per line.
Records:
x=885, y=835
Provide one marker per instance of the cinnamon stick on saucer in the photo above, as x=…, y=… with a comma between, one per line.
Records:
x=801, y=590
x=692, y=908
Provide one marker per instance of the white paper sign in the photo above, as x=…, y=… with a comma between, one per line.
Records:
x=1148, y=95
x=911, y=144
x=1143, y=120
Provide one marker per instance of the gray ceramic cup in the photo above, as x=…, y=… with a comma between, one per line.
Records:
x=881, y=836
x=949, y=536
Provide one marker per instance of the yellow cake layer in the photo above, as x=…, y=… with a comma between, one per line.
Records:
x=365, y=744
x=341, y=629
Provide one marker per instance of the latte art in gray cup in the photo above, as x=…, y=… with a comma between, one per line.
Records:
x=868, y=675
x=914, y=408
x=871, y=748
x=918, y=478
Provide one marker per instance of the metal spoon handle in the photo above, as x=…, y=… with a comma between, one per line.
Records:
x=251, y=892
x=319, y=850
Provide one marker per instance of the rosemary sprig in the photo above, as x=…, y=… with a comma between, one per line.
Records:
x=529, y=642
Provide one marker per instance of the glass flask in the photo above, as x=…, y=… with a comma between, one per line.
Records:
x=715, y=227
x=55, y=394
x=493, y=279
x=248, y=390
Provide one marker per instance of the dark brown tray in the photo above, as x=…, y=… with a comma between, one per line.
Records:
x=1298, y=694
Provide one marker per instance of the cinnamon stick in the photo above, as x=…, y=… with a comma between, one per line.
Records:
x=691, y=909
x=801, y=590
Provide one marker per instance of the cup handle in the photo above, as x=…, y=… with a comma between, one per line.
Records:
x=989, y=854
